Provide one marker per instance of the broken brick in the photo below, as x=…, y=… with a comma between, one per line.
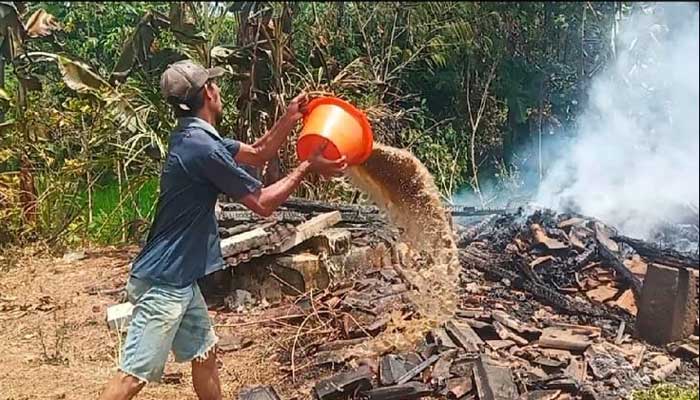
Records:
x=457, y=388
x=505, y=334
x=563, y=338
x=442, y=339
x=441, y=369
x=464, y=335
x=500, y=344
x=541, y=395
x=494, y=382
x=513, y=323
x=602, y=293
x=627, y=302
x=391, y=368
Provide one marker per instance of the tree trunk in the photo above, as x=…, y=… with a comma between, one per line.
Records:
x=583, y=32
x=2, y=84
x=27, y=186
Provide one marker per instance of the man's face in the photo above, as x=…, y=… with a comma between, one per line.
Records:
x=213, y=95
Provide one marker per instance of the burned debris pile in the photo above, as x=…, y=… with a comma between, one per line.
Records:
x=552, y=306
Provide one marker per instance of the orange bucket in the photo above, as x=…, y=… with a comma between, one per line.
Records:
x=344, y=127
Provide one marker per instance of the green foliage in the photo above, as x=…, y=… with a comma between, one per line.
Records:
x=667, y=392
x=110, y=215
x=91, y=122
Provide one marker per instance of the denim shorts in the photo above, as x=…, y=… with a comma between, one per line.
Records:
x=164, y=318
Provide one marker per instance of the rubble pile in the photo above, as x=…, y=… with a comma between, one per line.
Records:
x=553, y=306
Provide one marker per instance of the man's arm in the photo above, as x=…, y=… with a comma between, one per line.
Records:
x=266, y=200
x=265, y=148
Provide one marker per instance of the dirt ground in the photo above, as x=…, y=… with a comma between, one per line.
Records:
x=55, y=344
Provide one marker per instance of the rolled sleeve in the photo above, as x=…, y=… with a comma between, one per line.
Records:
x=232, y=146
x=221, y=170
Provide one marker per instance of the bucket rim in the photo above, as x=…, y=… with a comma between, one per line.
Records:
x=367, y=133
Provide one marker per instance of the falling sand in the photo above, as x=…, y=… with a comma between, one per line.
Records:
x=398, y=183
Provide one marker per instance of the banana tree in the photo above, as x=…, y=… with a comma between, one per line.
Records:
x=262, y=58
x=139, y=48
x=128, y=113
x=13, y=35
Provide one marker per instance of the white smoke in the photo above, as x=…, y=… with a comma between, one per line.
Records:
x=636, y=154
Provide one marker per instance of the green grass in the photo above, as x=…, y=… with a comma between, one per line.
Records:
x=108, y=214
x=64, y=214
x=667, y=392
x=111, y=219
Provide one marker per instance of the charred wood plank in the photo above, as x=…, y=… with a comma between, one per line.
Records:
x=344, y=384
x=467, y=211
x=418, y=369
x=660, y=255
x=235, y=230
x=556, y=382
x=493, y=266
x=408, y=391
x=584, y=258
x=358, y=218
x=308, y=206
x=607, y=255
x=232, y=218
x=305, y=205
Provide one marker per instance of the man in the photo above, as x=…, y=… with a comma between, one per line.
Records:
x=183, y=243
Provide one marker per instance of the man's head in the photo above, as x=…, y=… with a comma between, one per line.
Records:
x=191, y=90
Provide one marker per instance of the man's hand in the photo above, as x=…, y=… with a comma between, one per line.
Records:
x=266, y=147
x=324, y=166
x=297, y=107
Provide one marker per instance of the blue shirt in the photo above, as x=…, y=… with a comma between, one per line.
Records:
x=183, y=242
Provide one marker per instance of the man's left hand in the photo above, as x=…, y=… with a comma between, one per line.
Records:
x=297, y=107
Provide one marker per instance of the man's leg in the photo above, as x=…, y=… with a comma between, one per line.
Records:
x=205, y=378
x=122, y=387
x=155, y=320
x=195, y=341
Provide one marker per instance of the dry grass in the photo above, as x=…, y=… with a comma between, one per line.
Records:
x=55, y=343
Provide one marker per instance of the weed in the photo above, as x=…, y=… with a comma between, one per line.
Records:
x=56, y=356
x=667, y=392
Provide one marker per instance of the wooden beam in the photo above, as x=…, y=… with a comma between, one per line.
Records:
x=661, y=255
x=241, y=242
x=309, y=229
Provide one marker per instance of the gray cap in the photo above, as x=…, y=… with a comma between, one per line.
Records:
x=184, y=79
